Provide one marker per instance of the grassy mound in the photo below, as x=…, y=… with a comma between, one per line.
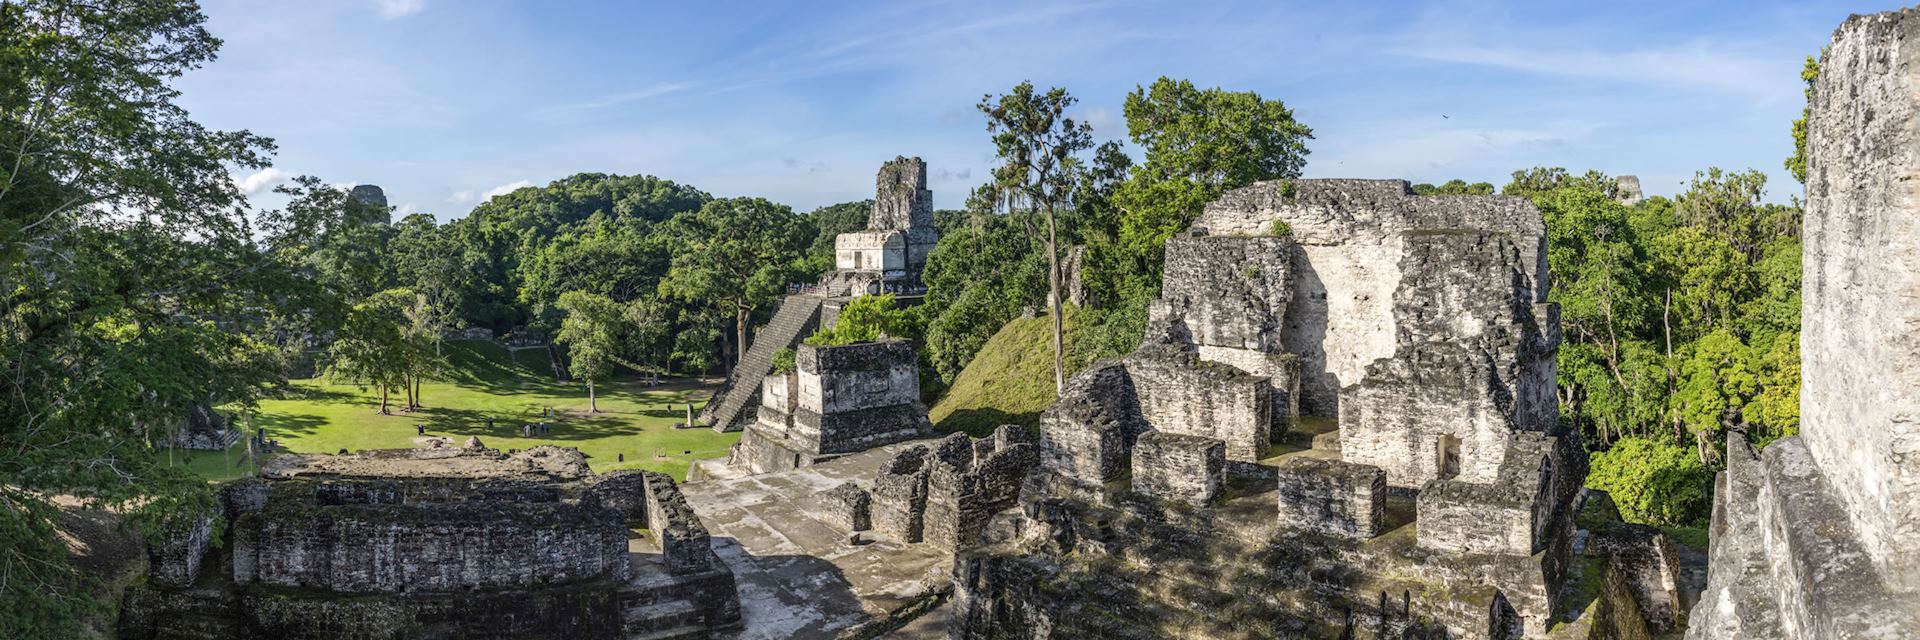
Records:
x=1011, y=380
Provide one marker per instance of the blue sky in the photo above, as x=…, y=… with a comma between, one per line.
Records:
x=443, y=102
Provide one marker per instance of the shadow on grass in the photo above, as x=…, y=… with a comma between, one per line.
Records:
x=980, y=423
x=280, y=425
x=468, y=422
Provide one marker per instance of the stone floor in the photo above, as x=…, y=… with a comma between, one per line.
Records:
x=799, y=577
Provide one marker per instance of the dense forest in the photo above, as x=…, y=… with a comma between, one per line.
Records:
x=140, y=283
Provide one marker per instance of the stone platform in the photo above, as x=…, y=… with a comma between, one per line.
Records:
x=798, y=576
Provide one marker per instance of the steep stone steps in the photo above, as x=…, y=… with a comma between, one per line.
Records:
x=733, y=404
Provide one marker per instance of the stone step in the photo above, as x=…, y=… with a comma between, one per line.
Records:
x=691, y=632
x=658, y=616
x=735, y=400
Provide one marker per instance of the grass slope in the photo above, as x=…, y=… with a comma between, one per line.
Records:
x=489, y=381
x=1011, y=380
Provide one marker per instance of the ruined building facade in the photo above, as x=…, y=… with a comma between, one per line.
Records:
x=836, y=400
x=1194, y=489
x=887, y=257
x=1815, y=537
x=438, y=543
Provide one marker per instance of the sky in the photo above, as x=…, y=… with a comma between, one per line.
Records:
x=444, y=103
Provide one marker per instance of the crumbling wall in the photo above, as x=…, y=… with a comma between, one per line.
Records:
x=1179, y=393
x=858, y=396
x=1178, y=467
x=1332, y=497
x=848, y=507
x=1227, y=297
x=1472, y=364
x=1349, y=236
x=899, y=505
x=1087, y=434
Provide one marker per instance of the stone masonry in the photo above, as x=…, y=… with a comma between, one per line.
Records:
x=839, y=400
x=435, y=543
x=1179, y=467
x=1814, y=537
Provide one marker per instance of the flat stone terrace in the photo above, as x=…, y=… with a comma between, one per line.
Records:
x=799, y=577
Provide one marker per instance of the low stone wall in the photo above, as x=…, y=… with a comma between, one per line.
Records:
x=899, y=505
x=1179, y=467
x=1471, y=518
x=1332, y=497
x=1179, y=393
x=848, y=508
x=684, y=542
x=431, y=547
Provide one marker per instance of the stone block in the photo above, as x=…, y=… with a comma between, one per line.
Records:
x=1087, y=435
x=848, y=507
x=1179, y=393
x=1178, y=467
x=1332, y=497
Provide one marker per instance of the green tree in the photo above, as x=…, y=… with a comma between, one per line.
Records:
x=122, y=239
x=1654, y=482
x=736, y=255
x=866, y=319
x=1797, y=163
x=1454, y=187
x=592, y=332
x=1037, y=145
x=1199, y=143
x=372, y=348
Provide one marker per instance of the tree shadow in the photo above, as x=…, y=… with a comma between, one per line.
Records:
x=980, y=423
x=280, y=425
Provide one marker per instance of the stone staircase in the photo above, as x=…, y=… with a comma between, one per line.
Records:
x=734, y=403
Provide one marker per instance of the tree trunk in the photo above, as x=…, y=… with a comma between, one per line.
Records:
x=418, y=402
x=383, y=399
x=740, y=330
x=593, y=403
x=1053, y=295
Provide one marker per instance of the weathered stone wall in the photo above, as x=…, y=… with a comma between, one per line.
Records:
x=176, y=558
x=1860, y=313
x=848, y=507
x=1349, y=235
x=858, y=396
x=899, y=506
x=1227, y=297
x=1332, y=497
x=1087, y=434
x=1179, y=393
x=1182, y=468
x=1472, y=364
x=427, y=547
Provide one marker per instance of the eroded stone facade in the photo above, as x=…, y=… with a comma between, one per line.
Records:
x=838, y=400
x=436, y=543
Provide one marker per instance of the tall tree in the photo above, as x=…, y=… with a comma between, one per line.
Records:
x=591, y=330
x=122, y=240
x=1037, y=144
x=736, y=255
x=372, y=348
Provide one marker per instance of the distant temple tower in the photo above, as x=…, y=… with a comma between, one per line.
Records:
x=887, y=257
x=890, y=254
x=373, y=203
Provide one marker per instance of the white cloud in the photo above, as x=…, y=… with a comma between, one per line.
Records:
x=391, y=9
x=1099, y=118
x=460, y=197
x=401, y=212
x=261, y=181
x=506, y=189
x=1691, y=66
x=636, y=95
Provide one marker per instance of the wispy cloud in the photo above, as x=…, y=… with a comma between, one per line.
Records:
x=506, y=189
x=636, y=95
x=391, y=9
x=460, y=197
x=1693, y=66
x=261, y=181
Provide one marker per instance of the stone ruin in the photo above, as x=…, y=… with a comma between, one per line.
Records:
x=205, y=429
x=837, y=400
x=887, y=257
x=1195, y=488
x=373, y=201
x=1815, y=536
x=890, y=254
x=437, y=543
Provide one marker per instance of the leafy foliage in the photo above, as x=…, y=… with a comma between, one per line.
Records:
x=734, y=256
x=1654, y=482
x=866, y=319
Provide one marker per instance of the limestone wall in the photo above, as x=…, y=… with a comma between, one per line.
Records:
x=1183, y=468
x=1180, y=394
x=1349, y=236
x=436, y=547
x=1087, y=434
x=1331, y=497
x=1860, y=313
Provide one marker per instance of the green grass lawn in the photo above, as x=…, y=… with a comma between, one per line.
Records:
x=318, y=416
